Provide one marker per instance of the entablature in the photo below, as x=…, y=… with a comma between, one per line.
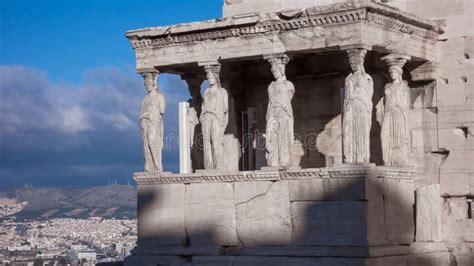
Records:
x=333, y=27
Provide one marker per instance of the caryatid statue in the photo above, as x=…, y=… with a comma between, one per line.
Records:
x=357, y=116
x=279, y=128
x=151, y=122
x=214, y=119
x=195, y=130
x=395, y=133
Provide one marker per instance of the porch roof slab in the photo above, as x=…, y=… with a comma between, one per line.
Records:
x=332, y=27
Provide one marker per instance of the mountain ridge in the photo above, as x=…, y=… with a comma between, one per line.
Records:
x=110, y=201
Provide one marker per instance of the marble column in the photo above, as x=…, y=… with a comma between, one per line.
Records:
x=357, y=110
x=279, y=135
x=214, y=118
x=195, y=129
x=151, y=122
x=395, y=134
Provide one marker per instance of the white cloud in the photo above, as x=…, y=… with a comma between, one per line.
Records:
x=30, y=102
x=120, y=121
x=48, y=129
x=75, y=120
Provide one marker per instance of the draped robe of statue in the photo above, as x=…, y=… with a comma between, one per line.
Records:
x=151, y=121
x=279, y=129
x=395, y=134
x=214, y=118
x=357, y=119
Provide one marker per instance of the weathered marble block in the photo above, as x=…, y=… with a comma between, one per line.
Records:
x=154, y=260
x=210, y=214
x=161, y=214
x=428, y=214
x=329, y=223
x=263, y=212
x=387, y=215
x=390, y=203
x=295, y=261
x=399, y=199
x=327, y=189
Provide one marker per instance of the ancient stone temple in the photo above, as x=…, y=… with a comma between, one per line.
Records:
x=331, y=132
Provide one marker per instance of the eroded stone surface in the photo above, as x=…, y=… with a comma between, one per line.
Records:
x=213, y=260
x=292, y=261
x=161, y=214
x=399, y=199
x=428, y=214
x=263, y=213
x=326, y=223
x=153, y=260
x=210, y=214
x=376, y=233
x=427, y=259
x=327, y=189
x=457, y=227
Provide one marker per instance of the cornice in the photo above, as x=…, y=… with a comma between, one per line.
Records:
x=344, y=171
x=271, y=23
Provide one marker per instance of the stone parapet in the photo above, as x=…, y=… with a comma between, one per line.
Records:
x=349, y=211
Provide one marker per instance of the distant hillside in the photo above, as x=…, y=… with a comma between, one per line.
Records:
x=112, y=201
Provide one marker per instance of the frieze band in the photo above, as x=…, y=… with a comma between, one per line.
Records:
x=337, y=172
x=275, y=26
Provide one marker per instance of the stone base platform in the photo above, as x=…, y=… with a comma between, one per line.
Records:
x=346, y=215
x=423, y=254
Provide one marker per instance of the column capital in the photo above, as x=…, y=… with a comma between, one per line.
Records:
x=356, y=47
x=356, y=53
x=279, y=58
x=396, y=60
x=147, y=70
x=212, y=66
x=208, y=63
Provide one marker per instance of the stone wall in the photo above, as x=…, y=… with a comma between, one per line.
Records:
x=362, y=215
x=454, y=105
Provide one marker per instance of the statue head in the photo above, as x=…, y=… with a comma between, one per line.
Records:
x=278, y=66
x=212, y=74
x=150, y=80
x=396, y=63
x=356, y=59
x=396, y=72
x=212, y=78
x=278, y=71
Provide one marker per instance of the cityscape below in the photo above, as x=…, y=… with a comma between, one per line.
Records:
x=60, y=226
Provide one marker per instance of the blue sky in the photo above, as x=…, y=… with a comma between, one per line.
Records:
x=69, y=94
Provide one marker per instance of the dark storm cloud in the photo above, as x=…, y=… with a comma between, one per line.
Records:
x=82, y=134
